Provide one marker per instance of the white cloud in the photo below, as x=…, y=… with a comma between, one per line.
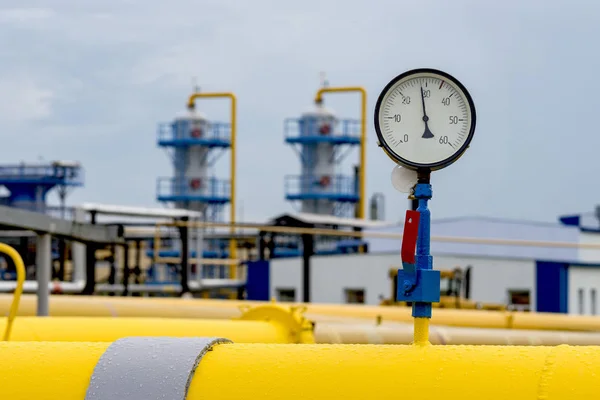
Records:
x=22, y=100
x=24, y=16
x=90, y=81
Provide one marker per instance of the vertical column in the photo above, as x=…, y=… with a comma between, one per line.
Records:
x=62, y=249
x=43, y=270
x=113, y=267
x=90, y=263
x=126, y=268
x=307, y=252
x=185, y=253
x=78, y=252
x=199, y=251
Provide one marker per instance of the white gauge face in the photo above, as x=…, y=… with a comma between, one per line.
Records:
x=425, y=119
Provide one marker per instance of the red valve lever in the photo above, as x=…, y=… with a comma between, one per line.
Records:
x=409, y=239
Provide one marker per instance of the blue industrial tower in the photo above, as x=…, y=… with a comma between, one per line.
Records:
x=29, y=184
x=195, y=145
x=322, y=141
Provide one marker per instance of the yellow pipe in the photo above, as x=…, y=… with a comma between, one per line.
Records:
x=106, y=329
x=14, y=306
x=65, y=305
x=363, y=138
x=421, y=331
x=360, y=332
x=233, y=121
x=49, y=371
x=430, y=372
x=327, y=329
x=63, y=371
x=105, y=306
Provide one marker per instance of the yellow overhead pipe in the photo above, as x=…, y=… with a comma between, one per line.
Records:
x=441, y=316
x=360, y=332
x=63, y=371
x=14, y=306
x=69, y=305
x=232, y=98
x=363, y=138
x=270, y=325
x=246, y=330
x=105, y=306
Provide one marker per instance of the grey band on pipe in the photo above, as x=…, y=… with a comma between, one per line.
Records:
x=146, y=368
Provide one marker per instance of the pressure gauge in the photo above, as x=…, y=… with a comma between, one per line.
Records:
x=424, y=119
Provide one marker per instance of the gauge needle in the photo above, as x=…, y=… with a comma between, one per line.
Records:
x=427, y=134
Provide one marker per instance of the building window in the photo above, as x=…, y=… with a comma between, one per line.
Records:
x=355, y=296
x=519, y=299
x=593, y=301
x=286, y=294
x=580, y=298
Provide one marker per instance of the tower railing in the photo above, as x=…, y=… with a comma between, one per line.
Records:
x=39, y=173
x=214, y=132
x=210, y=189
x=334, y=187
x=345, y=129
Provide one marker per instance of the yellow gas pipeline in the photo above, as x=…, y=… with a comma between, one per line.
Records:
x=283, y=329
x=362, y=173
x=64, y=371
x=208, y=308
x=267, y=324
x=353, y=331
x=233, y=148
x=105, y=306
x=441, y=316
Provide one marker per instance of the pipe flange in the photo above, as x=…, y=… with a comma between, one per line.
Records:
x=291, y=318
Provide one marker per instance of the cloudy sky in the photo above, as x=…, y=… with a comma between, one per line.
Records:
x=90, y=80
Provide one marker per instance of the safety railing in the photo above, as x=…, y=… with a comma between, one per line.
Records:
x=185, y=133
x=334, y=187
x=212, y=190
x=322, y=130
x=56, y=174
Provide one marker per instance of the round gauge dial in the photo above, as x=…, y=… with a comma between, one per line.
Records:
x=424, y=119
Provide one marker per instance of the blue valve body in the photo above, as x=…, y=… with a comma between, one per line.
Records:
x=419, y=283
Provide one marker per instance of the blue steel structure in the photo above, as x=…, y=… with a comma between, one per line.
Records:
x=29, y=184
x=323, y=142
x=194, y=144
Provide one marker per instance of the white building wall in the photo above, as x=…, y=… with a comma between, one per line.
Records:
x=584, y=288
x=332, y=275
x=491, y=278
x=589, y=255
x=286, y=273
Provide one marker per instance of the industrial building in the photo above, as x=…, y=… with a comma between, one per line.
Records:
x=525, y=265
